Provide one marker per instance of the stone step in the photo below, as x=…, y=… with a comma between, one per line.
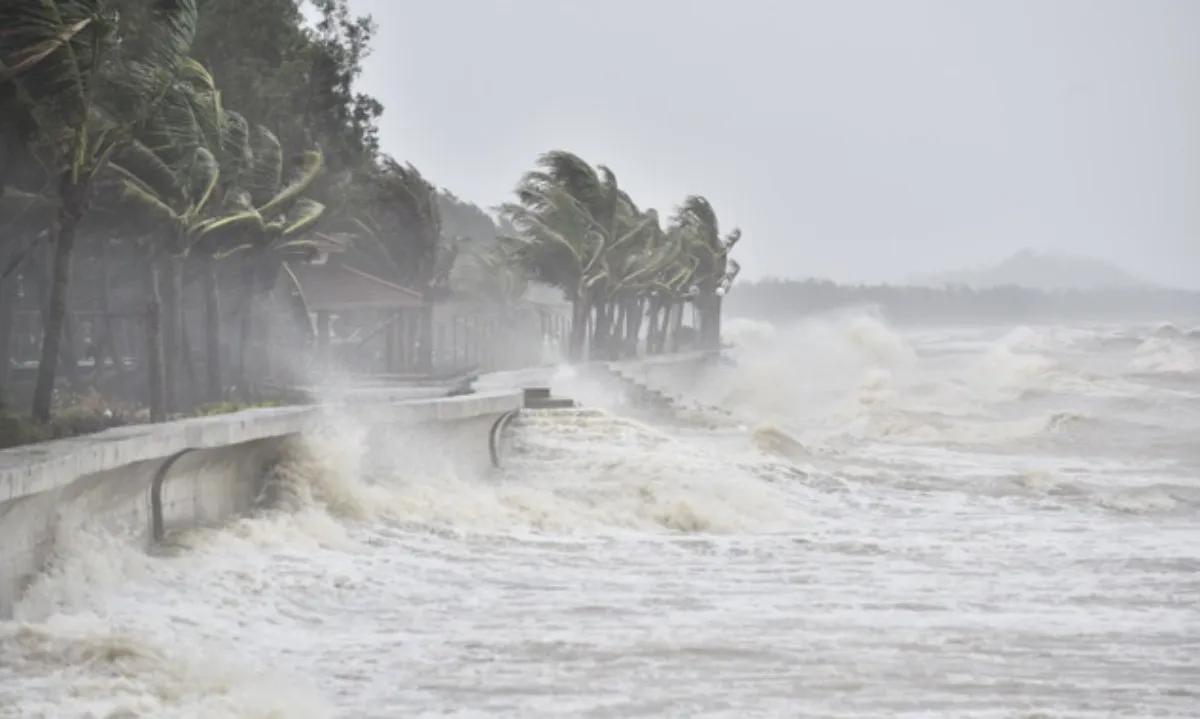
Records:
x=536, y=393
x=550, y=403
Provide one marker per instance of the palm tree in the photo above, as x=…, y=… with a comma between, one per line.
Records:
x=266, y=221
x=162, y=186
x=400, y=227
x=208, y=150
x=572, y=221
x=229, y=139
x=80, y=95
x=714, y=271
x=642, y=276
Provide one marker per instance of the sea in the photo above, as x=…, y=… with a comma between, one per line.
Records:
x=854, y=520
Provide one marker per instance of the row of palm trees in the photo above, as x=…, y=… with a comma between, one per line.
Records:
x=112, y=134
x=126, y=136
x=112, y=137
x=616, y=263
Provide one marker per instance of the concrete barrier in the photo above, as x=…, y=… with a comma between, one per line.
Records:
x=149, y=481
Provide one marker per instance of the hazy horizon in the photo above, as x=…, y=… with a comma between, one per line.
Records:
x=859, y=141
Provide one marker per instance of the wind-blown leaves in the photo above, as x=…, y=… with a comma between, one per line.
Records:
x=50, y=58
x=65, y=70
x=282, y=226
x=697, y=219
x=264, y=173
x=398, y=226
x=304, y=174
x=579, y=231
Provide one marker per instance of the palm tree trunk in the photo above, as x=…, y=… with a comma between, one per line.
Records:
x=675, y=317
x=155, y=353
x=246, y=329
x=8, y=308
x=579, y=321
x=108, y=346
x=212, y=330
x=717, y=300
x=425, y=338
x=613, y=334
x=621, y=330
x=185, y=369
x=666, y=334
x=187, y=399
x=652, y=326
x=612, y=318
x=170, y=331
x=664, y=327
x=74, y=198
x=68, y=355
x=633, y=325
x=600, y=344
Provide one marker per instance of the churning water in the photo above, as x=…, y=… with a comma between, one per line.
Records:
x=974, y=523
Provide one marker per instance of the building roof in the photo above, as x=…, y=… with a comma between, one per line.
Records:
x=333, y=287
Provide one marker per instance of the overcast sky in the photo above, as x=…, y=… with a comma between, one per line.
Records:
x=860, y=140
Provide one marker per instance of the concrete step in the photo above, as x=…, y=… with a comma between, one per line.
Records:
x=536, y=393
x=550, y=403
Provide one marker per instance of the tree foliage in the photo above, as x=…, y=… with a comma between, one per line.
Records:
x=224, y=140
x=577, y=230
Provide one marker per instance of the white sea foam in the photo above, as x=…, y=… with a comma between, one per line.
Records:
x=967, y=524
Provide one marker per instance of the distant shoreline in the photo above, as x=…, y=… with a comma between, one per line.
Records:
x=786, y=300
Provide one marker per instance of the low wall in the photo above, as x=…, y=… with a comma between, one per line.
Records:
x=152, y=480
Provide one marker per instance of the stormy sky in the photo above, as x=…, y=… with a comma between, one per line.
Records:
x=860, y=140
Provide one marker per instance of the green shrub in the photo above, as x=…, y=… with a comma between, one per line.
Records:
x=73, y=415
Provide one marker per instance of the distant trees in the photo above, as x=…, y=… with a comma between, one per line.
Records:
x=577, y=230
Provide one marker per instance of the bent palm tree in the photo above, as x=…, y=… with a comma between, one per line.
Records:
x=714, y=271
x=266, y=221
x=161, y=185
x=572, y=222
x=400, y=227
x=83, y=94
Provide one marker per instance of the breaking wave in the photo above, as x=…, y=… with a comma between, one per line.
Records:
x=858, y=455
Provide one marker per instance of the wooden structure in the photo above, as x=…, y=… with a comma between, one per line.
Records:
x=368, y=309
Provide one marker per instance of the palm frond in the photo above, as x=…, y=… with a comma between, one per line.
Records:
x=264, y=174
x=152, y=57
x=218, y=235
x=303, y=216
x=235, y=155
x=51, y=53
x=303, y=175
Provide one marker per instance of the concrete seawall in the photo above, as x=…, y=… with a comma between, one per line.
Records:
x=672, y=373
x=149, y=481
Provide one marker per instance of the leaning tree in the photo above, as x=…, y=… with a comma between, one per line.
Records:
x=398, y=229
x=79, y=85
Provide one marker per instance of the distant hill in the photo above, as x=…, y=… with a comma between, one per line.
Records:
x=1042, y=271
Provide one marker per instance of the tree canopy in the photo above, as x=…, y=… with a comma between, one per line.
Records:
x=219, y=142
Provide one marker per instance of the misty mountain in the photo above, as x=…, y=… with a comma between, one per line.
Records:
x=783, y=301
x=1042, y=271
